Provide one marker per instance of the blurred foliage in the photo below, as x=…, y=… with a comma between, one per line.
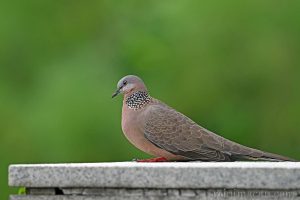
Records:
x=232, y=66
x=22, y=191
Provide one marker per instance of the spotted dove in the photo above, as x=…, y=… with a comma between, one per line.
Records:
x=161, y=131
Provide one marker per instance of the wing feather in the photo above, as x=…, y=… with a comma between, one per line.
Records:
x=174, y=132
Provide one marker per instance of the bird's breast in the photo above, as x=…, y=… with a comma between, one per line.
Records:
x=133, y=129
x=131, y=122
x=132, y=126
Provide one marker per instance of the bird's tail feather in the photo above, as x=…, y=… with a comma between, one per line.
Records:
x=264, y=157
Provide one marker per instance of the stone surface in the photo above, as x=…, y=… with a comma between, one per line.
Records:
x=40, y=191
x=72, y=191
x=211, y=194
x=192, y=175
x=163, y=181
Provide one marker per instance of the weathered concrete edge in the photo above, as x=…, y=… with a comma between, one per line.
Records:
x=243, y=175
x=166, y=194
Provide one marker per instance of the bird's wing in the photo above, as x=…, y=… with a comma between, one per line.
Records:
x=176, y=133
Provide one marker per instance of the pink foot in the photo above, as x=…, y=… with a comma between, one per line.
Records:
x=159, y=159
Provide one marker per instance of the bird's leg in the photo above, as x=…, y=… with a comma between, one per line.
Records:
x=159, y=159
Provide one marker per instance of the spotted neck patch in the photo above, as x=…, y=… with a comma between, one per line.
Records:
x=138, y=100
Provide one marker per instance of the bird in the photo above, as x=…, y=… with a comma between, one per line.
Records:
x=161, y=131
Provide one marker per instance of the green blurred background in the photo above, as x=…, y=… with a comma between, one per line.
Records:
x=232, y=66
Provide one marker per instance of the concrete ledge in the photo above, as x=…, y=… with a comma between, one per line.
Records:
x=172, y=195
x=131, y=180
x=251, y=175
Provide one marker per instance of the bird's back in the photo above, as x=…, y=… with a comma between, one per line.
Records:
x=174, y=132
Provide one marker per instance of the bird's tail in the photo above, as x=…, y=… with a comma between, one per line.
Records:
x=264, y=157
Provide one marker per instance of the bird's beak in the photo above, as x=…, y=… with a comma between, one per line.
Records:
x=116, y=93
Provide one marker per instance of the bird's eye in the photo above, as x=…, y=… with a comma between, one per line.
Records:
x=124, y=82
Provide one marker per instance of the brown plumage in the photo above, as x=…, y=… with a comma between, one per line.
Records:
x=160, y=130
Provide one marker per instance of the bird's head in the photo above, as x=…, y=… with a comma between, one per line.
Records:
x=129, y=84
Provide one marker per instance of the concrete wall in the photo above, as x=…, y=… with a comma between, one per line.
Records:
x=131, y=180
